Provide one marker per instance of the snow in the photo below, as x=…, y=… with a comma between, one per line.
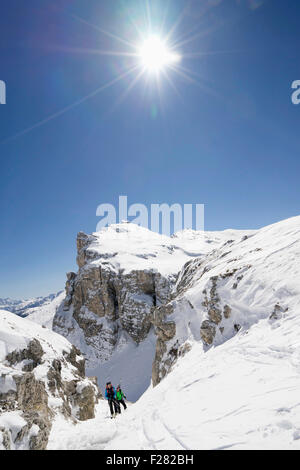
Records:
x=130, y=247
x=16, y=333
x=253, y=276
x=15, y=422
x=44, y=314
x=12, y=420
x=130, y=365
x=243, y=394
x=88, y=435
x=82, y=385
x=7, y=384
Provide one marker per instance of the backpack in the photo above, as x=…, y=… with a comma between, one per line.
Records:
x=110, y=392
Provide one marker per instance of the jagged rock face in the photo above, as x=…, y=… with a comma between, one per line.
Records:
x=203, y=316
x=104, y=302
x=124, y=301
x=187, y=292
x=165, y=330
x=124, y=286
x=227, y=291
x=41, y=375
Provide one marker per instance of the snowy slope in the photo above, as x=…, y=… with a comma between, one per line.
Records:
x=235, y=286
x=44, y=314
x=237, y=388
x=243, y=394
x=16, y=333
x=129, y=247
x=130, y=366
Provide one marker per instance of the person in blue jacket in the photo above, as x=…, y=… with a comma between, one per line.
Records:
x=110, y=395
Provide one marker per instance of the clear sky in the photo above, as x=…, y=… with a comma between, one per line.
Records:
x=229, y=138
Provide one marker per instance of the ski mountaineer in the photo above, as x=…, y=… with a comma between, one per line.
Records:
x=110, y=395
x=120, y=397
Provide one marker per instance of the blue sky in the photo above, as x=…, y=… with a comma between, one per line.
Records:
x=229, y=141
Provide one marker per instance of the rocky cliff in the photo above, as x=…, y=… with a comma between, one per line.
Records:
x=41, y=375
x=122, y=290
x=224, y=293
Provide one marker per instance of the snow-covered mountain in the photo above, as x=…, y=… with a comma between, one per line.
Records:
x=230, y=290
x=25, y=308
x=212, y=319
x=125, y=273
x=227, y=358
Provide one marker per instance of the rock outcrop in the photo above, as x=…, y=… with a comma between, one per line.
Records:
x=224, y=293
x=128, y=283
x=41, y=375
x=187, y=288
x=119, y=283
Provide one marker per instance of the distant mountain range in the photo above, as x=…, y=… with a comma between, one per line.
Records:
x=23, y=308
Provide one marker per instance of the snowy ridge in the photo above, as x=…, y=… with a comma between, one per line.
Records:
x=16, y=333
x=129, y=247
x=24, y=308
x=252, y=276
x=44, y=314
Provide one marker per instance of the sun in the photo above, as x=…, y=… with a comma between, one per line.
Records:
x=155, y=54
x=151, y=54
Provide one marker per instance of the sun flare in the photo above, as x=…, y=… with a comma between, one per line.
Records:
x=152, y=54
x=155, y=54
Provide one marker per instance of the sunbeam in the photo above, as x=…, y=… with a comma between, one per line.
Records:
x=176, y=24
x=103, y=31
x=71, y=106
x=89, y=51
x=165, y=15
x=171, y=83
x=154, y=55
x=126, y=92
